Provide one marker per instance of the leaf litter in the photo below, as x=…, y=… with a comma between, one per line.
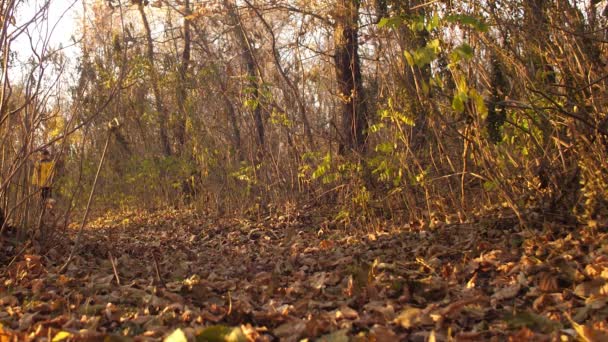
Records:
x=178, y=276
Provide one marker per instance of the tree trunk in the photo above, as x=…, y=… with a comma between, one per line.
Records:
x=182, y=87
x=234, y=124
x=496, y=108
x=252, y=75
x=162, y=111
x=348, y=76
x=290, y=84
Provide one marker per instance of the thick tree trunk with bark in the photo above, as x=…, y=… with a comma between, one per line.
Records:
x=353, y=108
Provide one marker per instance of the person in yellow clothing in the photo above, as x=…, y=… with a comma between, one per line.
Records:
x=43, y=175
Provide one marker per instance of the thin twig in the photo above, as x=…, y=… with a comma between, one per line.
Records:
x=88, y=209
x=113, y=262
x=156, y=268
x=423, y=5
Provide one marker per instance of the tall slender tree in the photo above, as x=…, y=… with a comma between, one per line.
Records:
x=163, y=113
x=253, y=76
x=351, y=93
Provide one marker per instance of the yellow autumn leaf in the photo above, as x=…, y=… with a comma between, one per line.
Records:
x=62, y=335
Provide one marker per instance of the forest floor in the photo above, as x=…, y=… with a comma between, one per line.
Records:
x=180, y=276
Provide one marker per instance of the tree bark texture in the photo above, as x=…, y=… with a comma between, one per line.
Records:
x=352, y=107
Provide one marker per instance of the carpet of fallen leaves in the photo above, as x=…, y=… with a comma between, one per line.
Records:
x=179, y=276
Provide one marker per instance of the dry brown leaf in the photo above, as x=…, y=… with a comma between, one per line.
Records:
x=383, y=334
x=547, y=282
x=237, y=280
x=9, y=300
x=472, y=282
x=27, y=320
x=412, y=317
x=523, y=335
x=345, y=312
x=141, y=320
x=317, y=280
x=455, y=308
x=37, y=286
x=505, y=293
x=385, y=309
x=590, y=288
x=469, y=336
x=596, y=302
x=590, y=334
x=291, y=331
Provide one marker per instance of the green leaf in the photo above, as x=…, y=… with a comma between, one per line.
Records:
x=417, y=24
x=464, y=51
x=433, y=23
x=383, y=22
x=375, y=128
x=391, y=22
x=458, y=102
x=405, y=118
x=489, y=186
x=221, y=333
x=480, y=103
x=386, y=148
x=425, y=88
x=409, y=58
x=434, y=45
x=425, y=55
x=251, y=103
x=461, y=85
x=323, y=167
x=474, y=22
